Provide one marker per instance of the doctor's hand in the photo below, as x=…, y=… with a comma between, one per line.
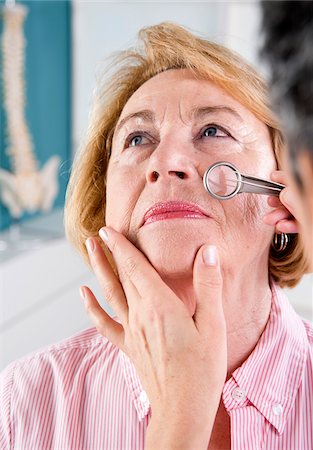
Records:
x=181, y=359
x=285, y=216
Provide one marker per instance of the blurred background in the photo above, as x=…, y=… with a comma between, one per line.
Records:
x=51, y=53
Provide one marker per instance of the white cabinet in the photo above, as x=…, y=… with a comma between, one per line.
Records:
x=39, y=295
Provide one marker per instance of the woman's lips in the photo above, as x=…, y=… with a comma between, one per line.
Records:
x=173, y=210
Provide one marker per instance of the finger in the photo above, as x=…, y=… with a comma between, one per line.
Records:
x=106, y=326
x=288, y=226
x=109, y=283
x=289, y=200
x=208, y=285
x=279, y=176
x=287, y=196
x=274, y=202
x=275, y=216
x=133, y=267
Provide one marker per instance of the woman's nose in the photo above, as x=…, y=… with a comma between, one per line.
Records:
x=155, y=175
x=172, y=163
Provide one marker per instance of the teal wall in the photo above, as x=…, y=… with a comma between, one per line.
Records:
x=48, y=89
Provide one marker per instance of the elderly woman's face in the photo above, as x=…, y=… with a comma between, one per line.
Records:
x=171, y=129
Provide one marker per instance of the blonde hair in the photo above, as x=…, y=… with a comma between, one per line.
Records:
x=163, y=47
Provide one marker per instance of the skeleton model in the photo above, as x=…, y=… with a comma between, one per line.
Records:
x=26, y=189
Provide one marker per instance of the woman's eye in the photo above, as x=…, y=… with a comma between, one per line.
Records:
x=214, y=131
x=137, y=139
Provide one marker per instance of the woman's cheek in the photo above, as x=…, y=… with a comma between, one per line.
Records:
x=255, y=208
x=244, y=213
x=124, y=186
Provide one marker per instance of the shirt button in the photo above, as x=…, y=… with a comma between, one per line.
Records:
x=277, y=409
x=238, y=394
x=143, y=397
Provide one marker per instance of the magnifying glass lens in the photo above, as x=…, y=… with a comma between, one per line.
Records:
x=222, y=180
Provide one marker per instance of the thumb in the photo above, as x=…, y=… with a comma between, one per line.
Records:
x=208, y=286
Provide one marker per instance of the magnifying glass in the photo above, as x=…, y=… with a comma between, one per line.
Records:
x=223, y=180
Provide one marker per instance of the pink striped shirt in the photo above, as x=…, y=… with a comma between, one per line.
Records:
x=84, y=394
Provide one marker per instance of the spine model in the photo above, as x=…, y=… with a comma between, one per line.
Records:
x=26, y=188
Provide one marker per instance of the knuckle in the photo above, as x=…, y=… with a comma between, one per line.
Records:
x=130, y=266
x=211, y=283
x=122, y=275
x=110, y=292
x=155, y=314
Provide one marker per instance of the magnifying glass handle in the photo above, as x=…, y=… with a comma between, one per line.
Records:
x=258, y=186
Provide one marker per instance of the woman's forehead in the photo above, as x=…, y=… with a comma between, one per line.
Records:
x=180, y=91
x=175, y=85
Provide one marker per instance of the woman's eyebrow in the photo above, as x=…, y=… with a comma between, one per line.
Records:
x=146, y=115
x=199, y=113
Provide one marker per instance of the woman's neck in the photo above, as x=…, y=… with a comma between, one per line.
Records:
x=246, y=303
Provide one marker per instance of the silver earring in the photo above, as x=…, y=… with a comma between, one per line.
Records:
x=280, y=241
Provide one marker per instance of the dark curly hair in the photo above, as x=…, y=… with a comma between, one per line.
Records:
x=287, y=47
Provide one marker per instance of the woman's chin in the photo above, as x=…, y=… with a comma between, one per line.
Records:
x=171, y=266
x=171, y=246
x=171, y=258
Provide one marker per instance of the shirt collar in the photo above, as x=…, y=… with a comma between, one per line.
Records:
x=269, y=378
x=271, y=375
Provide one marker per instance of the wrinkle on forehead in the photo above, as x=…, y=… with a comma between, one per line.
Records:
x=180, y=112
x=178, y=95
x=150, y=95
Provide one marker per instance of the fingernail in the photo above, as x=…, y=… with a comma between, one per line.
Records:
x=90, y=245
x=82, y=293
x=210, y=255
x=104, y=235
